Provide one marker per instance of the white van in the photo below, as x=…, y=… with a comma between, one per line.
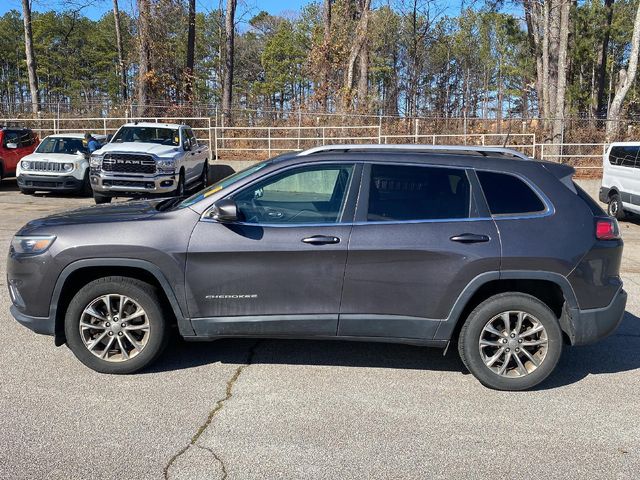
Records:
x=620, y=187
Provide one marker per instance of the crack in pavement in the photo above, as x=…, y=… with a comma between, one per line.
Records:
x=218, y=406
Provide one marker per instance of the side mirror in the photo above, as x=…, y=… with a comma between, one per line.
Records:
x=12, y=146
x=186, y=145
x=224, y=211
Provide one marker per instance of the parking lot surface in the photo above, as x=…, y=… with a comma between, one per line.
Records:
x=303, y=409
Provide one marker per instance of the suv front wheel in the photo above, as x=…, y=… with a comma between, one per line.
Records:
x=116, y=325
x=511, y=341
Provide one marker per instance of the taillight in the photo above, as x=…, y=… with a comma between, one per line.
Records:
x=607, y=229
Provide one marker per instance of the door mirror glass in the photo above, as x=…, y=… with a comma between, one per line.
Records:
x=224, y=211
x=12, y=145
x=186, y=145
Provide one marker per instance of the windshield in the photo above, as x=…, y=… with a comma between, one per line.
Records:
x=162, y=136
x=70, y=146
x=224, y=183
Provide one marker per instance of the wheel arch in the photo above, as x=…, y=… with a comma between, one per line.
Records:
x=79, y=273
x=551, y=288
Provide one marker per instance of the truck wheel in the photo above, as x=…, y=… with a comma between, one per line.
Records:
x=614, y=208
x=180, y=188
x=511, y=341
x=205, y=174
x=86, y=185
x=116, y=325
x=100, y=199
x=27, y=191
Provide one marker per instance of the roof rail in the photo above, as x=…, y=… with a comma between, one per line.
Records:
x=486, y=151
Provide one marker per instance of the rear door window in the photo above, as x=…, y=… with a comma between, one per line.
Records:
x=507, y=194
x=401, y=193
x=624, y=156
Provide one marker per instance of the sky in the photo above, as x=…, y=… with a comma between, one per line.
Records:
x=97, y=8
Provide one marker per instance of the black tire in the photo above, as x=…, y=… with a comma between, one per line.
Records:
x=145, y=296
x=205, y=174
x=470, y=335
x=86, y=189
x=100, y=199
x=27, y=191
x=614, y=208
x=180, y=188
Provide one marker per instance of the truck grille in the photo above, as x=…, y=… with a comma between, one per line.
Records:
x=128, y=163
x=46, y=166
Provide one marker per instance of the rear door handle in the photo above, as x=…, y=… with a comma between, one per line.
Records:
x=470, y=238
x=320, y=240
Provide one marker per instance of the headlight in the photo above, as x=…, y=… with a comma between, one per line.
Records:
x=96, y=160
x=32, y=244
x=167, y=166
x=67, y=167
x=25, y=164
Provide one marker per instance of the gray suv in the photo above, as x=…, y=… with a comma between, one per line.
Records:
x=502, y=255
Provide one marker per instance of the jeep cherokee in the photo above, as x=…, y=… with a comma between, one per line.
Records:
x=503, y=255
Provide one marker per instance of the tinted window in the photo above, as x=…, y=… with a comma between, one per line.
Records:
x=163, y=136
x=507, y=194
x=61, y=145
x=11, y=136
x=624, y=156
x=302, y=195
x=399, y=192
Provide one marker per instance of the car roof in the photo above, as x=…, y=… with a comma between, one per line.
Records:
x=154, y=125
x=78, y=136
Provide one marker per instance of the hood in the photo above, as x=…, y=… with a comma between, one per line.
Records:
x=52, y=157
x=119, y=212
x=140, y=147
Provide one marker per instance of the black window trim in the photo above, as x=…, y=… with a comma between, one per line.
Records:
x=548, y=210
x=350, y=205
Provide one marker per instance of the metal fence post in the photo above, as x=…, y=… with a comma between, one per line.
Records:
x=323, y=136
x=269, y=140
x=415, y=134
x=104, y=126
x=483, y=140
x=209, y=132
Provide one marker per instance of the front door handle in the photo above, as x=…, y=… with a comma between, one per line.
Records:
x=470, y=238
x=320, y=240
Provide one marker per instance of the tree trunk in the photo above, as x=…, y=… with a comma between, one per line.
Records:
x=227, y=83
x=191, y=46
x=363, y=79
x=31, y=57
x=121, y=66
x=326, y=60
x=144, y=66
x=625, y=80
x=361, y=38
x=602, y=62
x=563, y=43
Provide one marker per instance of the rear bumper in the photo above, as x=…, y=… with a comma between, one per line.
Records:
x=604, y=194
x=588, y=326
x=49, y=182
x=42, y=325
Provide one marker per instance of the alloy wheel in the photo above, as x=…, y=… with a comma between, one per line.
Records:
x=114, y=328
x=513, y=344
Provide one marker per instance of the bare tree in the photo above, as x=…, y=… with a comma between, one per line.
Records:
x=121, y=66
x=31, y=57
x=144, y=66
x=563, y=11
x=326, y=61
x=191, y=46
x=626, y=77
x=356, y=48
x=602, y=60
x=227, y=82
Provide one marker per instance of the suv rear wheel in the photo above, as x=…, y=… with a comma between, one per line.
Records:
x=511, y=341
x=116, y=325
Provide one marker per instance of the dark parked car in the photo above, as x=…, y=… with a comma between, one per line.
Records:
x=505, y=256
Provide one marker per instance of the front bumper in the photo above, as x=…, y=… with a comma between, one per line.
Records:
x=49, y=182
x=133, y=184
x=42, y=325
x=603, y=195
x=588, y=326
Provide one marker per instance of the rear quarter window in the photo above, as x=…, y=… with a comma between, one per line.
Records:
x=507, y=194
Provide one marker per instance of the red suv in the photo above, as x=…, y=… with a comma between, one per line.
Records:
x=15, y=143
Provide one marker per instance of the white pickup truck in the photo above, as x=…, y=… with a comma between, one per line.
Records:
x=149, y=158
